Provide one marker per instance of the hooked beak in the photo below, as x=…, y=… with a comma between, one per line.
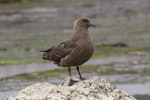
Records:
x=92, y=25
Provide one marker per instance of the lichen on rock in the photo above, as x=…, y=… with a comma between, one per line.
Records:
x=95, y=88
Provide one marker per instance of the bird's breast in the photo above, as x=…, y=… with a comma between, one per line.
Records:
x=80, y=54
x=85, y=50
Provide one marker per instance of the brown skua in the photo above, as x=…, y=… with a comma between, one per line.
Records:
x=75, y=51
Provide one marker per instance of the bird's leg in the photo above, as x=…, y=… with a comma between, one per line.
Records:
x=69, y=71
x=79, y=72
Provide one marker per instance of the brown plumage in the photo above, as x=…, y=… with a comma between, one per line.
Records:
x=74, y=51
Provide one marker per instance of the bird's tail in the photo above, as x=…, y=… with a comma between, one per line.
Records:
x=45, y=55
x=48, y=50
x=44, y=51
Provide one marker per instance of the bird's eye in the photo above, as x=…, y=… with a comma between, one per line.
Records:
x=85, y=20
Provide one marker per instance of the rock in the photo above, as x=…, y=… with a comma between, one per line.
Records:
x=95, y=88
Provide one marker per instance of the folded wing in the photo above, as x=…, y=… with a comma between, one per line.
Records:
x=56, y=53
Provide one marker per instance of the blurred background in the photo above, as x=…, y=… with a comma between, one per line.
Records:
x=121, y=38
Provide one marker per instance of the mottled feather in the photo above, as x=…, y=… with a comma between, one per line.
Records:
x=56, y=53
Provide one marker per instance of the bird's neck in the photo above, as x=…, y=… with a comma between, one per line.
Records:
x=81, y=32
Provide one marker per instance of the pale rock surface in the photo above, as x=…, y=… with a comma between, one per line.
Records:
x=95, y=88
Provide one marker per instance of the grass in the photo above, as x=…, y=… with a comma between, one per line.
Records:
x=112, y=71
x=62, y=72
x=110, y=50
x=25, y=47
x=23, y=56
x=29, y=47
x=142, y=97
x=146, y=71
x=40, y=75
x=18, y=61
x=15, y=3
x=29, y=2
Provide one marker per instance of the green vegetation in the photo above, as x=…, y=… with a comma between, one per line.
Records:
x=146, y=71
x=27, y=2
x=25, y=47
x=111, y=50
x=22, y=56
x=18, y=61
x=112, y=71
x=16, y=2
x=142, y=97
x=41, y=75
x=62, y=72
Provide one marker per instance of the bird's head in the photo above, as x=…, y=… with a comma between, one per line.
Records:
x=82, y=23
